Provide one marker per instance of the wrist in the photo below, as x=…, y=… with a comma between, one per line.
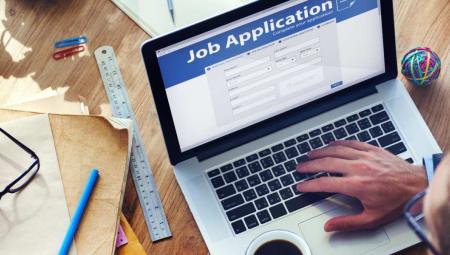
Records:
x=420, y=182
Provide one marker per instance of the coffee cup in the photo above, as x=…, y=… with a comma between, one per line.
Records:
x=278, y=242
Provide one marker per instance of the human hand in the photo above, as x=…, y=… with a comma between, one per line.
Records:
x=381, y=181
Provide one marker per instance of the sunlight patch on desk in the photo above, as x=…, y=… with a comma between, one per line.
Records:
x=14, y=48
x=18, y=89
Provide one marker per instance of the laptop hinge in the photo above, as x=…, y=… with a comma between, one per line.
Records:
x=313, y=109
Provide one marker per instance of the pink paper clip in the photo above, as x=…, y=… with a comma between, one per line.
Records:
x=67, y=52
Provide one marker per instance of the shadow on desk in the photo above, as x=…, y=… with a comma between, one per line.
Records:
x=26, y=46
x=18, y=45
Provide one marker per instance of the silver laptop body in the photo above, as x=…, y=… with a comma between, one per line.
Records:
x=242, y=97
x=308, y=222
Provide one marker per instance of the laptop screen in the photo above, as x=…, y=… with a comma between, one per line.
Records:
x=268, y=63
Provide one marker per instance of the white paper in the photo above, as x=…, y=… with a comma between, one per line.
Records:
x=35, y=220
x=48, y=101
x=154, y=16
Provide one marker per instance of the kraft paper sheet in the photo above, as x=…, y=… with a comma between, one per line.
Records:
x=83, y=143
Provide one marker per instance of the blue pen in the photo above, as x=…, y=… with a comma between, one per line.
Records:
x=65, y=247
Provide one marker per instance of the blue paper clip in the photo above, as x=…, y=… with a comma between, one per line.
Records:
x=71, y=41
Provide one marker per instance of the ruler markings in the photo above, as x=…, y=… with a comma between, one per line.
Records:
x=139, y=166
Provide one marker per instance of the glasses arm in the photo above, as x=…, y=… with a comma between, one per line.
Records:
x=412, y=222
x=21, y=145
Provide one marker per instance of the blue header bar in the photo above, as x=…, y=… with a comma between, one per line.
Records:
x=189, y=62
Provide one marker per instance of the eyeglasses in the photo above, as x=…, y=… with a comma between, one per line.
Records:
x=414, y=213
x=27, y=176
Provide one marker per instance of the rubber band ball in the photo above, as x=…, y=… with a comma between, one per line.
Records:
x=421, y=66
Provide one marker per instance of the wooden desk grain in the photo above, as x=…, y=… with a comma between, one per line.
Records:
x=29, y=28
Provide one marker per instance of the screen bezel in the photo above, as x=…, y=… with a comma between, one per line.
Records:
x=150, y=47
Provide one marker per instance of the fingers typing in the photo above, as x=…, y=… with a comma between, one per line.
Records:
x=329, y=185
x=354, y=145
x=336, y=151
x=327, y=164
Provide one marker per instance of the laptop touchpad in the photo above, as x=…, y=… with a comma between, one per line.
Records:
x=350, y=243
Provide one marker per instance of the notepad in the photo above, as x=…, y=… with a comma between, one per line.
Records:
x=82, y=143
x=34, y=220
x=153, y=16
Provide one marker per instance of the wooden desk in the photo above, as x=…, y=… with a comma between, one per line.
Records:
x=29, y=29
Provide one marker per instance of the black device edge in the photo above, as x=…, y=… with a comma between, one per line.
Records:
x=270, y=125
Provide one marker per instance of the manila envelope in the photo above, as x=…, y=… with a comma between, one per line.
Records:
x=83, y=143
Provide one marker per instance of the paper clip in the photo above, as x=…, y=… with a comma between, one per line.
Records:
x=67, y=52
x=71, y=41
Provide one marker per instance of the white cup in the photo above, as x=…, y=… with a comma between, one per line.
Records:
x=278, y=235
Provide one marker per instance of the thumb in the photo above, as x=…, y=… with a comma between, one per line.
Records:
x=350, y=223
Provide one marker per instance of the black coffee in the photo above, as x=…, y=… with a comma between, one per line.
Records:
x=278, y=247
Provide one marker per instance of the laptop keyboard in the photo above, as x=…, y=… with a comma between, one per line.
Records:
x=261, y=186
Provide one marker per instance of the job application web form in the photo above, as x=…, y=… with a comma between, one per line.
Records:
x=269, y=63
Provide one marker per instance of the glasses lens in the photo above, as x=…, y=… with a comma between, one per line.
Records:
x=417, y=208
x=417, y=221
x=15, y=162
x=28, y=175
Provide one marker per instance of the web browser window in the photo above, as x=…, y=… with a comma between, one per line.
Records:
x=269, y=63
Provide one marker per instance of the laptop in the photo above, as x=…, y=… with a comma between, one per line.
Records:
x=244, y=96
